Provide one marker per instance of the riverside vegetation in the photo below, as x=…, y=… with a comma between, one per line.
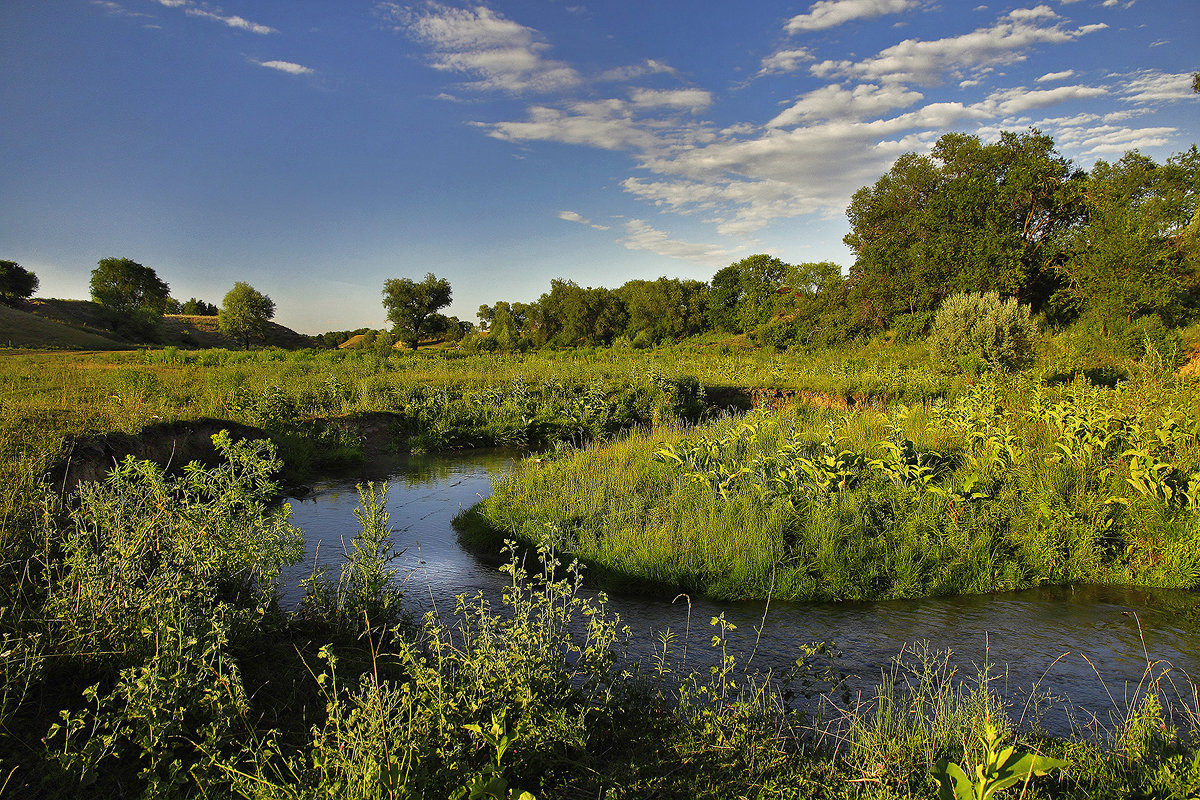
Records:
x=145, y=653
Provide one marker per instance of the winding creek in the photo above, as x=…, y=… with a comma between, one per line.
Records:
x=1087, y=646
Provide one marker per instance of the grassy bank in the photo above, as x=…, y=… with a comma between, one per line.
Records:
x=435, y=400
x=146, y=657
x=1011, y=484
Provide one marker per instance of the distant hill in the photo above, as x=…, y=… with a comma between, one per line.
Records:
x=84, y=325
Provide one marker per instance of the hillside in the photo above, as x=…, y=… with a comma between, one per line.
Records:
x=84, y=325
x=24, y=329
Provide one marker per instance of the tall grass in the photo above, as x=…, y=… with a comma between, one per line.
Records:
x=1010, y=485
x=150, y=660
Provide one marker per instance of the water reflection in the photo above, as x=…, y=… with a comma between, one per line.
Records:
x=1089, y=644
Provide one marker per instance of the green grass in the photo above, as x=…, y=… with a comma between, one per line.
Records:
x=1011, y=485
x=144, y=654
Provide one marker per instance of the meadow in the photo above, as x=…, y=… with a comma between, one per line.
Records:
x=145, y=653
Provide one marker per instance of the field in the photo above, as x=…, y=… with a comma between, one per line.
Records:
x=145, y=654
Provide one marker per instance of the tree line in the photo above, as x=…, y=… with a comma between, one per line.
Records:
x=136, y=299
x=1013, y=217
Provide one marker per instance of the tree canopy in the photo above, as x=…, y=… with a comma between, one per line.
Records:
x=968, y=217
x=124, y=285
x=245, y=313
x=1139, y=251
x=742, y=294
x=411, y=305
x=198, y=308
x=16, y=283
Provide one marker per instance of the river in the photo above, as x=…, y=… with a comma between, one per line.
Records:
x=1088, y=646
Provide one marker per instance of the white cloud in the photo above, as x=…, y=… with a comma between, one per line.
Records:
x=285, y=66
x=116, y=9
x=575, y=216
x=1103, y=140
x=606, y=124
x=1037, y=12
x=836, y=102
x=740, y=185
x=231, y=21
x=648, y=67
x=1006, y=102
x=830, y=13
x=785, y=61
x=693, y=100
x=927, y=62
x=204, y=11
x=1050, y=77
x=640, y=235
x=1151, y=86
x=501, y=54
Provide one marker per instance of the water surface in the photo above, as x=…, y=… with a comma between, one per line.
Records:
x=1090, y=645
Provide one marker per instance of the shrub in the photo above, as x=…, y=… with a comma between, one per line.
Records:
x=971, y=328
x=912, y=327
x=1148, y=339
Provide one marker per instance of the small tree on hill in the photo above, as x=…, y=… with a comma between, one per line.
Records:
x=16, y=283
x=411, y=305
x=245, y=313
x=199, y=308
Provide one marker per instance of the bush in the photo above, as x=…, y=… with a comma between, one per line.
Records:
x=911, y=328
x=1148, y=339
x=971, y=330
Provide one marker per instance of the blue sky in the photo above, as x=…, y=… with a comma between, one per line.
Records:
x=316, y=148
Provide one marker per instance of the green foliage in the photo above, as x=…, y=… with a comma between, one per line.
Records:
x=16, y=283
x=998, y=769
x=198, y=308
x=537, y=668
x=743, y=294
x=410, y=305
x=245, y=313
x=141, y=538
x=912, y=327
x=969, y=217
x=126, y=286
x=971, y=331
x=1138, y=251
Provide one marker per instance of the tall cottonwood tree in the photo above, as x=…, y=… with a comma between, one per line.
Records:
x=411, y=304
x=126, y=286
x=742, y=294
x=664, y=309
x=570, y=315
x=16, y=283
x=1139, y=250
x=967, y=217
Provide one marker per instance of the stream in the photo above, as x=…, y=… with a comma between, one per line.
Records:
x=1086, y=646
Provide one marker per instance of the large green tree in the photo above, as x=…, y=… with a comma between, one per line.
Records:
x=1139, y=250
x=743, y=295
x=665, y=309
x=411, y=304
x=245, y=312
x=570, y=315
x=125, y=286
x=505, y=322
x=16, y=283
x=967, y=217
